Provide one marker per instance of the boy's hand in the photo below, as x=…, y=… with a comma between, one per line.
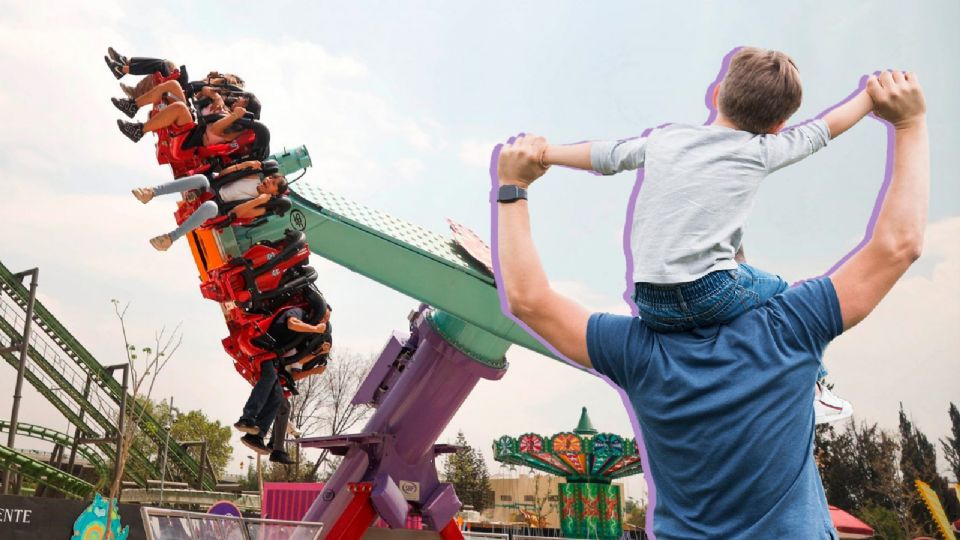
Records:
x=897, y=98
x=519, y=162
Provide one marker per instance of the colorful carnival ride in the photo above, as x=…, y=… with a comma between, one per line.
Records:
x=256, y=266
x=589, y=461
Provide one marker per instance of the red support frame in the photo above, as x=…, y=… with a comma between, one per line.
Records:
x=357, y=517
x=451, y=531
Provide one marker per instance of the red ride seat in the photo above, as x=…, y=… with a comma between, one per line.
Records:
x=261, y=272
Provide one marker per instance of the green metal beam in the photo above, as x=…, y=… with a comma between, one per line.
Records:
x=63, y=408
x=177, y=456
x=107, y=424
x=420, y=263
x=64, y=440
x=44, y=473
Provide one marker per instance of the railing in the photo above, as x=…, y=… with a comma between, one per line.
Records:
x=468, y=535
x=166, y=524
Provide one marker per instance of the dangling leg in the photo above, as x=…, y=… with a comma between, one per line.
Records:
x=207, y=210
x=180, y=185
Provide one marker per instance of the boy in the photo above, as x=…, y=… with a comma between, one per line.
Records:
x=698, y=189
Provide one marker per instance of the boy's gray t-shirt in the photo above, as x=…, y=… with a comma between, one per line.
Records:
x=698, y=189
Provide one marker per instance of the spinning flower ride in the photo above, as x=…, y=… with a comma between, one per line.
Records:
x=589, y=462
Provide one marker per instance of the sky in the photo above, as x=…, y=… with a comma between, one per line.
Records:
x=400, y=105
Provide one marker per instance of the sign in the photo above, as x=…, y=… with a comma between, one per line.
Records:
x=410, y=490
x=36, y=518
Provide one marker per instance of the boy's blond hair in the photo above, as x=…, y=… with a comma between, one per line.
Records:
x=760, y=90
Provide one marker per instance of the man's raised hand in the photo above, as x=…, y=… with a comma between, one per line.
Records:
x=519, y=162
x=897, y=98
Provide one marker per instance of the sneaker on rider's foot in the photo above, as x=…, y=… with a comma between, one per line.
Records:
x=255, y=443
x=279, y=456
x=830, y=408
x=132, y=130
x=115, y=56
x=163, y=243
x=115, y=67
x=247, y=426
x=127, y=106
x=143, y=194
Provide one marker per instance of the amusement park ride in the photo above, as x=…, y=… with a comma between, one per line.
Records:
x=589, y=461
x=457, y=336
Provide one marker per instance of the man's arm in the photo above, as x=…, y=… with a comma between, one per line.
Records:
x=557, y=319
x=897, y=237
x=843, y=117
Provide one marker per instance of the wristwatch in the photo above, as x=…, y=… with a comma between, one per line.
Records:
x=509, y=193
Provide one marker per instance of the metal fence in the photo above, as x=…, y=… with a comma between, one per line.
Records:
x=166, y=524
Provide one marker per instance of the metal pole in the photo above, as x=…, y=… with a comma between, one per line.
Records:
x=166, y=448
x=121, y=422
x=76, y=435
x=21, y=368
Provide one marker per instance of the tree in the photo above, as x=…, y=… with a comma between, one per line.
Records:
x=859, y=471
x=543, y=506
x=635, y=514
x=324, y=405
x=186, y=426
x=951, y=445
x=467, y=471
x=918, y=460
x=154, y=360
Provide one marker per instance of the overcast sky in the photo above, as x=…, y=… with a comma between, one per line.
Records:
x=400, y=105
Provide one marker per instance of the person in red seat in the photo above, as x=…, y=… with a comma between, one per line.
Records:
x=267, y=397
x=255, y=190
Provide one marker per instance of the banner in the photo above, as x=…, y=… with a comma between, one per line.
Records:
x=40, y=518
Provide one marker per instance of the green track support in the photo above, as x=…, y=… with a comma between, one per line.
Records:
x=44, y=473
x=107, y=424
x=45, y=434
x=49, y=324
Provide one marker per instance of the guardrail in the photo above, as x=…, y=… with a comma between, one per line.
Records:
x=166, y=524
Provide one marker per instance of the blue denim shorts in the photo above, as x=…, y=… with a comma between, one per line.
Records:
x=716, y=298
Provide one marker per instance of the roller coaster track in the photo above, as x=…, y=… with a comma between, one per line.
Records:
x=59, y=367
x=64, y=440
x=44, y=473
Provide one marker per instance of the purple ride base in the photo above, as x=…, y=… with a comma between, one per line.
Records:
x=416, y=385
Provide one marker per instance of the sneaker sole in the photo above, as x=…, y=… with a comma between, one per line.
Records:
x=257, y=449
x=252, y=430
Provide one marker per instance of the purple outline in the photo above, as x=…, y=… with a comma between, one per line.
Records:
x=627, y=295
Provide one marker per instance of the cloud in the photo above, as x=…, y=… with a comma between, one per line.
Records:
x=475, y=153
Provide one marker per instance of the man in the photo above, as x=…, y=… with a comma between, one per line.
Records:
x=728, y=460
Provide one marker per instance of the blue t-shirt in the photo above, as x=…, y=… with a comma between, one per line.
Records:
x=726, y=414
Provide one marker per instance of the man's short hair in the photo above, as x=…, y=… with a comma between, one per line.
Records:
x=760, y=89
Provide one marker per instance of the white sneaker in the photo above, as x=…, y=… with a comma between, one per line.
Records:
x=830, y=408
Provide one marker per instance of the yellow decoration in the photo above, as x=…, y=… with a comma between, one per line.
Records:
x=936, y=509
